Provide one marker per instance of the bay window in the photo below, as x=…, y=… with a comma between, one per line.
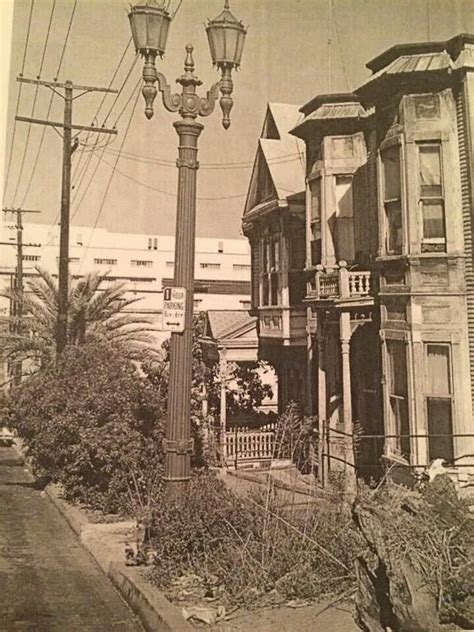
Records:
x=431, y=197
x=439, y=402
x=391, y=197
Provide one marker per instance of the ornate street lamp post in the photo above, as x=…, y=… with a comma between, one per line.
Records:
x=150, y=24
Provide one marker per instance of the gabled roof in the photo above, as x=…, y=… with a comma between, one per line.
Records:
x=283, y=155
x=229, y=323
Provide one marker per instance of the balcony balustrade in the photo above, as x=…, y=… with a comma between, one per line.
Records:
x=339, y=284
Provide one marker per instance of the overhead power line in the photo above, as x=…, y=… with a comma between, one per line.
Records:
x=43, y=132
x=25, y=150
x=283, y=159
x=95, y=145
x=112, y=173
x=168, y=193
x=96, y=116
x=25, y=50
x=86, y=189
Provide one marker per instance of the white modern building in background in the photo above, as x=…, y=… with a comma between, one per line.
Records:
x=144, y=262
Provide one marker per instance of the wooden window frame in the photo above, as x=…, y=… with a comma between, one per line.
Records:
x=428, y=244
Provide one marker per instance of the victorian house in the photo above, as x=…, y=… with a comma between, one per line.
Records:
x=389, y=297
x=274, y=222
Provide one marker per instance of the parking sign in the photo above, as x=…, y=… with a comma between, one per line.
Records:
x=174, y=305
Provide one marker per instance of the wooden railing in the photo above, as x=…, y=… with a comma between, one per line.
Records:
x=359, y=283
x=340, y=283
x=253, y=445
x=327, y=284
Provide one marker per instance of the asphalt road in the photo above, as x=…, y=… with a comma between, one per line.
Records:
x=47, y=580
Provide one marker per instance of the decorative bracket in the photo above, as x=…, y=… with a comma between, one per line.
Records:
x=188, y=103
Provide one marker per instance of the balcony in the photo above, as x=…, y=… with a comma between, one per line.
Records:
x=340, y=285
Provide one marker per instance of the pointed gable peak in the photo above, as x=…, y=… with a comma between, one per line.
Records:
x=279, y=119
x=270, y=129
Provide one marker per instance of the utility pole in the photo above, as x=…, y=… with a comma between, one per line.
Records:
x=17, y=327
x=68, y=149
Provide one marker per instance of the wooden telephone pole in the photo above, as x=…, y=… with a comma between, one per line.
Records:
x=68, y=149
x=17, y=324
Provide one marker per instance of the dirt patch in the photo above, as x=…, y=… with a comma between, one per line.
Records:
x=311, y=618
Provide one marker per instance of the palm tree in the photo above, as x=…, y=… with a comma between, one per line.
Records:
x=93, y=314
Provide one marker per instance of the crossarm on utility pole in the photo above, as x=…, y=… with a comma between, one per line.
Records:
x=84, y=128
x=55, y=84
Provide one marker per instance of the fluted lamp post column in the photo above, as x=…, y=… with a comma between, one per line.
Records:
x=150, y=24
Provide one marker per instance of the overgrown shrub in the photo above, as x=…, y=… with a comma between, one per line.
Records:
x=92, y=423
x=421, y=541
x=252, y=545
x=296, y=437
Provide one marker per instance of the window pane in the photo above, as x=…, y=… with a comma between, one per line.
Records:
x=399, y=410
x=391, y=173
x=398, y=368
x=440, y=423
x=438, y=371
x=274, y=288
x=344, y=204
x=430, y=170
x=275, y=253
x=265, y=290
x=316, y=252
x=433, y=219
x=316, y=199
x=265, y=257
x=393, y=213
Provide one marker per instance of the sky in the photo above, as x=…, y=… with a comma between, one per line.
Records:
x=294, y=50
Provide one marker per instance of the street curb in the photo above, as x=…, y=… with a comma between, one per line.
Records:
x=155, y=611
x=73, y=516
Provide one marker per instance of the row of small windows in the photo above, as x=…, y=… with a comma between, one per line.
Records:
x=133, y=262
x=215, y=266
x=241, y=266
x=211, y=266
x=109, y=279
x=153, y=244
x=143, y=263
x=106, y=262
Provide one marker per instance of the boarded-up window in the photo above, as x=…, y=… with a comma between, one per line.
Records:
x=439, y=402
